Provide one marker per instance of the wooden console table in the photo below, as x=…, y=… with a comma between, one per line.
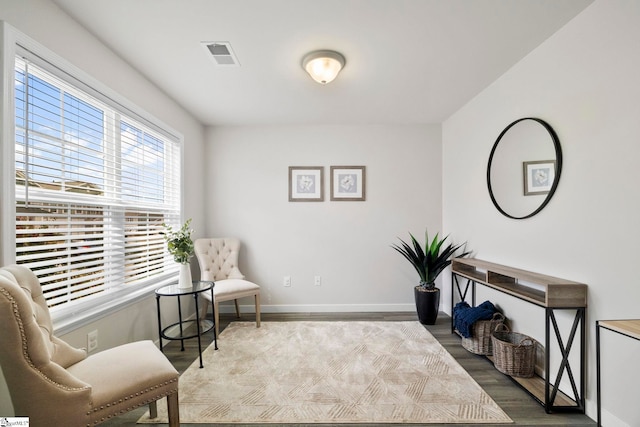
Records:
x=550, y=293
x=628, y=328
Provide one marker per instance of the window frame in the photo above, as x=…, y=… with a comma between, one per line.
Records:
x=66, y=319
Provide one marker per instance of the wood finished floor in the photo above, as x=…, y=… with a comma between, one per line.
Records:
x=517, y=403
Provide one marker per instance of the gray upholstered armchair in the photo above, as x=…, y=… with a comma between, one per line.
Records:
x=55, y=384
x=218, y=260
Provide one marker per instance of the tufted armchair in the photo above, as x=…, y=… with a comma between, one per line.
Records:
x=55, y=384
x=218, y=259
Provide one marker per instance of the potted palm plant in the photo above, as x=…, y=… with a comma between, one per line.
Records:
x=429, y=263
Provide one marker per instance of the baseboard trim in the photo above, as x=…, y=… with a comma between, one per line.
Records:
x=321, y=308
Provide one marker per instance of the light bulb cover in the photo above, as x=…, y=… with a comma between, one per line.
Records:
x=323, y=65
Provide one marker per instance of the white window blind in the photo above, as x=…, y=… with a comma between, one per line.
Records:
x=94, y=184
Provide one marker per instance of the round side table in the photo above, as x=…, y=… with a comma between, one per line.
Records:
x=202, y=326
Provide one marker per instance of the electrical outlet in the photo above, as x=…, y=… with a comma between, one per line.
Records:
x=287, y=281
x=317, y=280
x=92, y=341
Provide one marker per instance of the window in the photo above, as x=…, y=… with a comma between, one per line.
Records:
x=94, y=184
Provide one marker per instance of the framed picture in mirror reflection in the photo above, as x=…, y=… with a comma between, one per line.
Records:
x=538, y=176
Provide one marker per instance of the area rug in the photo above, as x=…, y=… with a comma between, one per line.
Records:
x=330, y=373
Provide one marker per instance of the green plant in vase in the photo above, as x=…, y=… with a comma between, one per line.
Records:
x=180, y=246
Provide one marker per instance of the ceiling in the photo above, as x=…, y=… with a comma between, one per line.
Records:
x=408, y=61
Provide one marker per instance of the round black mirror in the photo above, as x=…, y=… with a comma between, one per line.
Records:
x=524, y=168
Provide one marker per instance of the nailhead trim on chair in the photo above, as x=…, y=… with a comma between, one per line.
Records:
x=143, y=403
x=25, y=353
x=130, y=408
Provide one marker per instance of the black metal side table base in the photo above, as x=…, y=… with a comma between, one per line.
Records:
x=202, y=326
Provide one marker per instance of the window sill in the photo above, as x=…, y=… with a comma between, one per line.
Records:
x=66, y=321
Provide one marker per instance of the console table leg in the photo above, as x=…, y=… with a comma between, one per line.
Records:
x=565, y=351
x=461, y=295
x=547, y=359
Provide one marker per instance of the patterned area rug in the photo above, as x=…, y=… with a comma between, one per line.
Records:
x=330, y=372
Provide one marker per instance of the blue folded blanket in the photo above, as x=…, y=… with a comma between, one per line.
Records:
x=465, y=316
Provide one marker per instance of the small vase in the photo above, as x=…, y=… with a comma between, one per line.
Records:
x=184, y=280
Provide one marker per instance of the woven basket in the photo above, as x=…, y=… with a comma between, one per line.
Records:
x=513, y=353
x=480, y=341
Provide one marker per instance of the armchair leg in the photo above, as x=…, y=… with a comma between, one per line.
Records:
x=237, y=308
x=174, y=410
x=205, y=307
x=153, y=409
x=216, y=317
x=257, y=310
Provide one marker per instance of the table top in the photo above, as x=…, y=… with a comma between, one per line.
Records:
x=630, y=327
x=197, y=286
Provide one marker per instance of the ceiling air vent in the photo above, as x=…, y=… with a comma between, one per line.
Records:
x=222, y=53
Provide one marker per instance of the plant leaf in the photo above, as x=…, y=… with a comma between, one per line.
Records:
x=430, y=261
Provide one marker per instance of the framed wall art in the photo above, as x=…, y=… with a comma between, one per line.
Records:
x=305, y=183
x=538, y=176
x=348, y=183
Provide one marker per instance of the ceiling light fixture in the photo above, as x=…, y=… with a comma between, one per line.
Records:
x=323, y=65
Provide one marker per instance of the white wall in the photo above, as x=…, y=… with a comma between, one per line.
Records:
x=48, y=25
x=346, y=243
x=584, y=82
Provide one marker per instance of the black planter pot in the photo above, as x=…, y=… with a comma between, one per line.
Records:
x=427, y=304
